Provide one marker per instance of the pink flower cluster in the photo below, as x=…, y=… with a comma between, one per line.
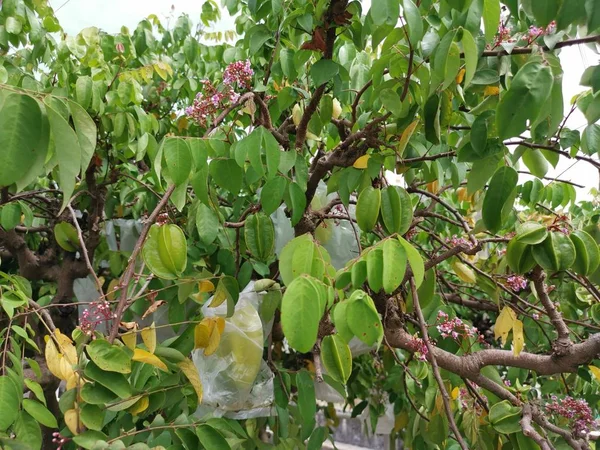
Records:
x=455, y=328
x=467, y=401
x=211, y=99
x=516, y=282
x=419, y=346
x=455, y=241
x=97, y=313
x=59, y=440
x=576, y=411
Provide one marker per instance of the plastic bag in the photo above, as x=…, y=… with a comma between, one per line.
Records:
x=236, y=380
x=337, y=236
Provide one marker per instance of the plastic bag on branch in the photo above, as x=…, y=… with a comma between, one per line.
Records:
x=337, y=236
x=236, y=381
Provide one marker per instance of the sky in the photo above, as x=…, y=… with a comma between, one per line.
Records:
x=110, y=15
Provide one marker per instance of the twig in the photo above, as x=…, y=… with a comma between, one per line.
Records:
x=84, y=251
x=434, y=366
x=527, y=50
x=44, y=313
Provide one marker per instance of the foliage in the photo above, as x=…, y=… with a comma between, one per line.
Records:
x=474, y=292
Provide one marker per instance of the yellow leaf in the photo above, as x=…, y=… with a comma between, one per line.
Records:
x=130, y=339
x=406, y=135
x=112, y=289
x=219, y=297
x=461, y=75
x=60, y=360
x=296, y=114
x=73, y=380
x=433, y=187
x=206, y=286
x=464, y=272
x=504, y=323
x=220, y=322
x=337, y=109
x=595, y=371
x=148, y=358
x=191, y=372
x=72, y=421
x=207, y=334
x=149, y=337
x=140, y=406
x=362, y=162
x=213, y=341
x=401, y=421
x=454, y=393
x=182, y=124
x=518, y=339
x=491, y=90
x=202, y=334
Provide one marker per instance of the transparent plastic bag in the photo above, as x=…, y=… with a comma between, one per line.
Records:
x=236, y=380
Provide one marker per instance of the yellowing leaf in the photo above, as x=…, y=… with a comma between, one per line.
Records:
x=454, y=393
x=296, y=114
x=73, y=380
x=518, y=339
x=60, y=360
x=433, y=187
x=148, y=358
x=464, y=272
x=112, y=289
x=191, y=372
x=130, y=339
x=362, y=162
x=406, y=135
x=206, y=286
x=149, y=337
x=401, y=421
x=182, y=124
x=504, y=323
x=72, y=421
x=461, y=75
x=219, y=297
x=595, y=371
x=207, y=334
x=491, y=90
x=140, y=406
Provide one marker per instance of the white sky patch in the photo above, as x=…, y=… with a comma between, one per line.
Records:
x=111, y=15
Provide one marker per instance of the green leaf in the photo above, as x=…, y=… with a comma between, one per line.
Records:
x=92, y=416
x=317, y=438
x=528, y=93
x=83, y=91
x=307, y=402
x=297, y=202
x=271, y=194
x=66, y=236
x=68, y=152
x=9, y=402
x=28, y=431
x=415, y=260
x=367, y=208
x=86, y=131
x=385, y=12
x=207, y=224
x=10, y=216
x=545, y=11
x=88, y=439
x=499, y=192
x=20, y=139
x=300, y=314
x=324, y=70
x=336, y=358
x=396, y=210
x=471, y=53
x=96, y=394
x=414, y=21
x=590, y=139
x=227, y=174
x=259, y=234
x=394, y=265
x=519, y=257
x=40, y=413
x=491, y=18
x=13, y=26
x=391, y=101
x=505, y=418
x=211, y=438
x=111, y=358
x=535, y=162
x=446, y=61
x=363, y=319
x=113, y=381
x=302, y=256
x=178, y=160
x=340, y=319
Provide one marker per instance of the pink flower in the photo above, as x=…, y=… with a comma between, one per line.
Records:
x=516, y=282
x=419, y=346
x=577, y=411
x=455, y=328
x=97, y=313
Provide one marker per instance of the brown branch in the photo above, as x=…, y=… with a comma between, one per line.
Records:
x=527, y=50
x=563, y=342
x=529, y=431
x=434, y=366
x=130, y=270
x=84, y=251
